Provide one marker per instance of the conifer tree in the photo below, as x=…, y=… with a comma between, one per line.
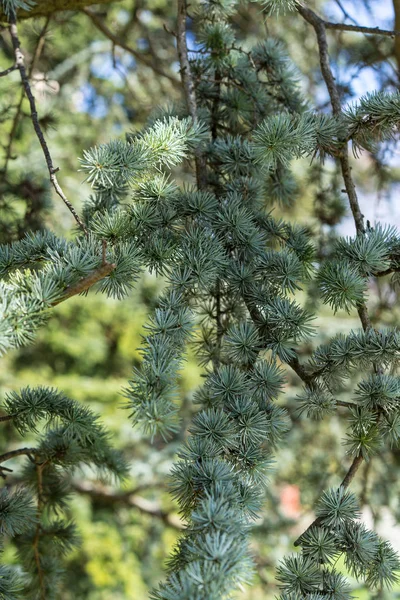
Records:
x=232, y=272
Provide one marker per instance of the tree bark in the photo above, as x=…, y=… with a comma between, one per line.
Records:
x=44, y=8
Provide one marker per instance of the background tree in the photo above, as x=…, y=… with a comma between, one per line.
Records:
x=328, y=203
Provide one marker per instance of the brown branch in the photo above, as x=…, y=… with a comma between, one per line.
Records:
x=187, y=80
x=39, y=473
x=360, y=28
x=188, y=86
x=19, y=59
x=346, y=404
x=99, y=24
x=36, y=56
x=20, y=452
x=319, y=27
x=112, y=497
x=86, y=282
x=355, y=465
x=9, y=70
x=6, y=418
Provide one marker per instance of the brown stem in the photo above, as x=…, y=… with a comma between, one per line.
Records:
x=113, y=497
x=39, y=474
x=86, y=282
x=6, y=418
x=355, y=465
x=393, y=33
x=36, y=56
x=319, y=27
x=188, y=86
x=9, y=70
x=117, y=41
x=13, y=453
x=19, y=60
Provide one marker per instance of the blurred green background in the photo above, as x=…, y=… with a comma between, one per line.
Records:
x=91, y=90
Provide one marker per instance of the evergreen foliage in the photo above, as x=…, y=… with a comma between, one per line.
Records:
x=232, y=270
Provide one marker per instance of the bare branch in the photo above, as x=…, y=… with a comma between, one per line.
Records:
x=355, y=465
x=319, y=27
x=18, y=112
x=360, y=28
x=113, y=497
x=20, y=452
x=19, y=60
x=188, y=85
x=9, y=70
x=138, y=55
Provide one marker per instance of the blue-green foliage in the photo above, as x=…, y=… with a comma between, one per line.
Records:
x=231, y=270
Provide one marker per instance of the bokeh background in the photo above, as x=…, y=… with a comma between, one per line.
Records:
x=98, y=74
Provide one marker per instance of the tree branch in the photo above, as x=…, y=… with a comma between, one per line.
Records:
x=19, y=452
x=188, y=86
x=19, y=60
x=86, y=282
x=97, y=22
x=355, y=465
x=44, y=8
x=9, y=70
x=360, y=28
x=113, y=497
x=319, y=27
x=14, y=126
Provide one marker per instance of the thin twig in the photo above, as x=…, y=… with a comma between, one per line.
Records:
x=9, y=70
x=137, y=55
x=368, y=30
x=18, y=112
x=319, y=27
x=19, y=59
x=113, y=497
x=355, y=465
x=6, y=418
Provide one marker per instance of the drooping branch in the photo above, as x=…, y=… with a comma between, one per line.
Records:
x=19, y=61
x=320, y=31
